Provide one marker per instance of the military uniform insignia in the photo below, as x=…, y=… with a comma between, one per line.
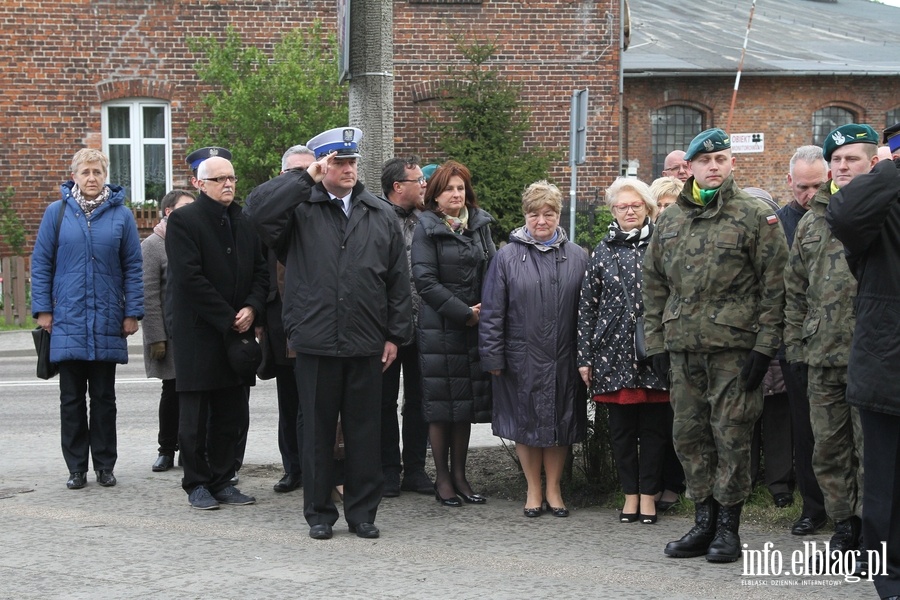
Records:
x=708, y=145
x=838, y=138
x=772, y=219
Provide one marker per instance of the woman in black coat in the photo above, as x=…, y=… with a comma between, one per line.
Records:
x=607, y=319
x=528, y=341
x=450, y=252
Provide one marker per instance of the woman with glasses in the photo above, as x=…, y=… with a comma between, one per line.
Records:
x=609, y=313
x=87, y=291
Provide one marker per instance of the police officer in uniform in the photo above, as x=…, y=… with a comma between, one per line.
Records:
x=818, y=327
x=713, y=300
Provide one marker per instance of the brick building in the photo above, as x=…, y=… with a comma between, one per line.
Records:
x=803, y=75
x=117, y=75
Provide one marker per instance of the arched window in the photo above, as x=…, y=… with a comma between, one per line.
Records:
x=826, y=120
x=673, y=128
x=137, y=139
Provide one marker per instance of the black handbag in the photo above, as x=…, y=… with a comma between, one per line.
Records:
x=41, y=337
x=45, y=368
x=640, y=342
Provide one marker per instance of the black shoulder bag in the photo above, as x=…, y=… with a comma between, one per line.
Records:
x=45, y=368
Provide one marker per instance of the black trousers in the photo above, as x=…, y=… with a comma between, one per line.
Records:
x=88, y=432
x=168, y=418
x=349, y=387
x=881, y=495
x=798, y=400
x=243, y=429
x=772, y=439
x=672, y=471
x=290, y=420
x=638, y=437
x=415, y=429
x=208, y=434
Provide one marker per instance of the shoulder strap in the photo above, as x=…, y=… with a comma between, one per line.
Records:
x=59, y=220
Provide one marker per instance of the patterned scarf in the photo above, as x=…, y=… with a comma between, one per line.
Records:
x=88, y=206
x=702, y=197
x=457, y=224
x=631, y=237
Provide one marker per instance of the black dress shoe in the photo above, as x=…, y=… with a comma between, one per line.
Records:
x=76, y=481
x=783, y=499
x=365, y=530
x=625, y=517
x=288, y=483
x=391, y=488
x=560, y=511
x=664, y=505
x=531, y=513
x=105, y=477
x=807, y=525
x=647, y=519
x=320, y=532
x=417, y=481
x=163, y=463
x=451, y=501
x=234, y=480
x=473, y=499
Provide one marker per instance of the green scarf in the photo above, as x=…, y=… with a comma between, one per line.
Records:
x=703, y=197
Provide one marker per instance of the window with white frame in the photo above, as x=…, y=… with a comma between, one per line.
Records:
x=137, y=139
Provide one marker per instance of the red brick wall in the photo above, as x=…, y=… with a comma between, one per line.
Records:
x=781, y=108
x=61, y=60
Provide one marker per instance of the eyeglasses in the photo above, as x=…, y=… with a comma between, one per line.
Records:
x=624, y=208
x=677, y=168
x=419, y=180
x=222, y=179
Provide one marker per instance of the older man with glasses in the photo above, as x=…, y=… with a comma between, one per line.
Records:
x=676, y=166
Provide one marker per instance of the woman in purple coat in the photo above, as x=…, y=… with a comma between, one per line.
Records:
x=527, y=340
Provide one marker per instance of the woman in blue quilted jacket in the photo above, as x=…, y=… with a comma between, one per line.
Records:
x=87, y=292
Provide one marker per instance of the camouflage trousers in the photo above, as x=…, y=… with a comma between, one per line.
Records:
x=838, y=450
x=714, y=420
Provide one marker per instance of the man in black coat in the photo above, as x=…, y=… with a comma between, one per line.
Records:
x=346, y=311
x=865, y=216
x=217, y=289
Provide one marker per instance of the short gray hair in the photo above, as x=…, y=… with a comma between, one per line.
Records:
x=635, y=185
x=808, y=154
x=298, y=149
x=89, y=155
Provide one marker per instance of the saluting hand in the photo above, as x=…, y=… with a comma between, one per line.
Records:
x=318, y=169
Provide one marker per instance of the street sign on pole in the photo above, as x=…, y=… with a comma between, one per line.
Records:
x=577, y=147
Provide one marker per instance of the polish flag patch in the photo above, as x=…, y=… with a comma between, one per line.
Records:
x=772, y=219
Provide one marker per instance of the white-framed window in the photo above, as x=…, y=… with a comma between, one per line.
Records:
x=137, y=138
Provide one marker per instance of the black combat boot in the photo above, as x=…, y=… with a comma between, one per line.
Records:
x=846, y=534
x=696, y=541
x=726, y=546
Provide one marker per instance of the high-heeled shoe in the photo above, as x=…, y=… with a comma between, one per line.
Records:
x=532, y=512
x=648, y=519
x=625, y=517
x=473, y=499
x=452, y=501
x=558, y=511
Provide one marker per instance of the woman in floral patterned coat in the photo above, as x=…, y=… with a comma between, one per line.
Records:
x=610, y=304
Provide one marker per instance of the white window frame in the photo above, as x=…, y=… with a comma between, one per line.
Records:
x=136, y=142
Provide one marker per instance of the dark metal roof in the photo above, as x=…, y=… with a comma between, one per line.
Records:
x=787, y=37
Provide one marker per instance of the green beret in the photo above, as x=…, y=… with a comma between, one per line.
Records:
x=711, y=140
x=428, y=171
x=850, y=133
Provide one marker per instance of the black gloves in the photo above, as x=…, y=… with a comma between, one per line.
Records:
x=754, y=370
x=660, y=365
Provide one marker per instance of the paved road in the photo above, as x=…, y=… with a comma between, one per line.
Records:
x=141, y=539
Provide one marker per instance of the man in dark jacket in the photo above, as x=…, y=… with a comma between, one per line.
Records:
x=865, y=216
x=807, y=172
x=346, y=311
x=217, y=289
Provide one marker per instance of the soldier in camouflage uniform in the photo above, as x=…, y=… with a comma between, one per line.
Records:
x=819, y=318
x=714, y=298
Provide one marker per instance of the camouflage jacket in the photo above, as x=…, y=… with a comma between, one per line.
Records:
x=819, y=292
x=713, y=275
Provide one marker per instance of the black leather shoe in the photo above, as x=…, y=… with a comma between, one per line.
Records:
x=558, y=511
x=365, y=530
x=696, y=541
x=163, y=463
x=288, y=483
x=807, y=525
x=648, y=519
x=76, y=481
x=783, y=500
x=451, y=501
x=320, y=532
x=417, y=481
x=391, y=488
x=531, y=513
x=625, y=517
x=234, y=480
x=473, y=499
x=105, y=477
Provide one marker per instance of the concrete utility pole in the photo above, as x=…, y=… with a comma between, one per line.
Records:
x=372, y=84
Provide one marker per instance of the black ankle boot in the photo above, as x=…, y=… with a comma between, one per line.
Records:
x=846, y=534
x=696, y=541
x=726, y=546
